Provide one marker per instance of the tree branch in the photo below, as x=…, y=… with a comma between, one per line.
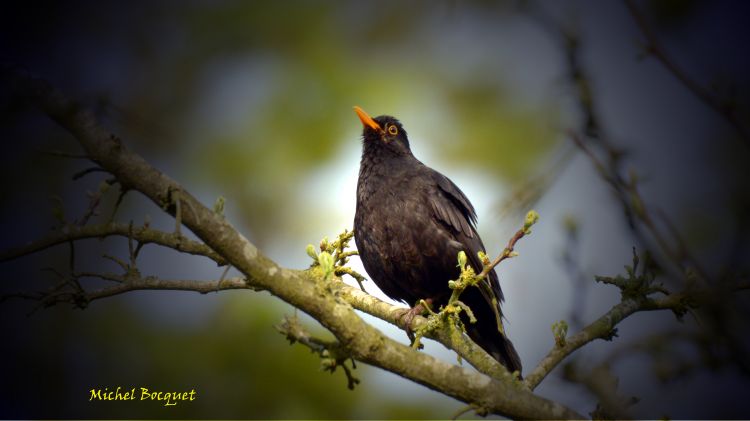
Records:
x=127, y=284
x=151, y=283
x=332, y=354
x=466, y=349
x=601, y=328
x=298, y=288
x=604, y=326
x=725, y=108
x=143, y=235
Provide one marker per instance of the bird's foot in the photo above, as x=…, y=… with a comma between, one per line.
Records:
x=407, y=316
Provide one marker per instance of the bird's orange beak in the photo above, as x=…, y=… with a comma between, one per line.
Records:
x=366, y=119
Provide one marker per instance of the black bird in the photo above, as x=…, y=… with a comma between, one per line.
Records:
x=411, y=222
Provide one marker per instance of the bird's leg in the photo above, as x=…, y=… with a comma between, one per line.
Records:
x=409, y=315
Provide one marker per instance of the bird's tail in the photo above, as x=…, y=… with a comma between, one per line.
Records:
x=487, y=335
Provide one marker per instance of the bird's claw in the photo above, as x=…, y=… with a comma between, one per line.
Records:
x=407, y=317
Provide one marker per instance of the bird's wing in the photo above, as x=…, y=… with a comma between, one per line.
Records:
x=452, y=207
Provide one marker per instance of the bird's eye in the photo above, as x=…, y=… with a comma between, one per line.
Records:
x=392, y=130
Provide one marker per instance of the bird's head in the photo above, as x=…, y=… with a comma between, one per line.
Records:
x=383, y=132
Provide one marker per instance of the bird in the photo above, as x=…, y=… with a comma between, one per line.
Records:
x=410, y=224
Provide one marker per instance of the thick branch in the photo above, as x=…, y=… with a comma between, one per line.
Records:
x=466, y=349
x=300, y=289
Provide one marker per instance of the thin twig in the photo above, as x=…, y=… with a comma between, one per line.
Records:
x=469, y=408
x=724, y=108
x=345, y=270
x=123, y=285
x=120, y=197
x=604, y=326
x=332, y=353
x=223, y=275
x=83, y=173
x=117, y=260
x=63, y=154
x=71, y=266
x=177, y=213
x=506, y=253
x=144, y=235
x=635, y=206
x=94, y=201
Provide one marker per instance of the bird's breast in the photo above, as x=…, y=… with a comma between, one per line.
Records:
x=403, y=248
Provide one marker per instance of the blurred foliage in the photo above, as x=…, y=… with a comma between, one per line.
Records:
x=496, y=134
x=253, y=97
x=239, y=365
